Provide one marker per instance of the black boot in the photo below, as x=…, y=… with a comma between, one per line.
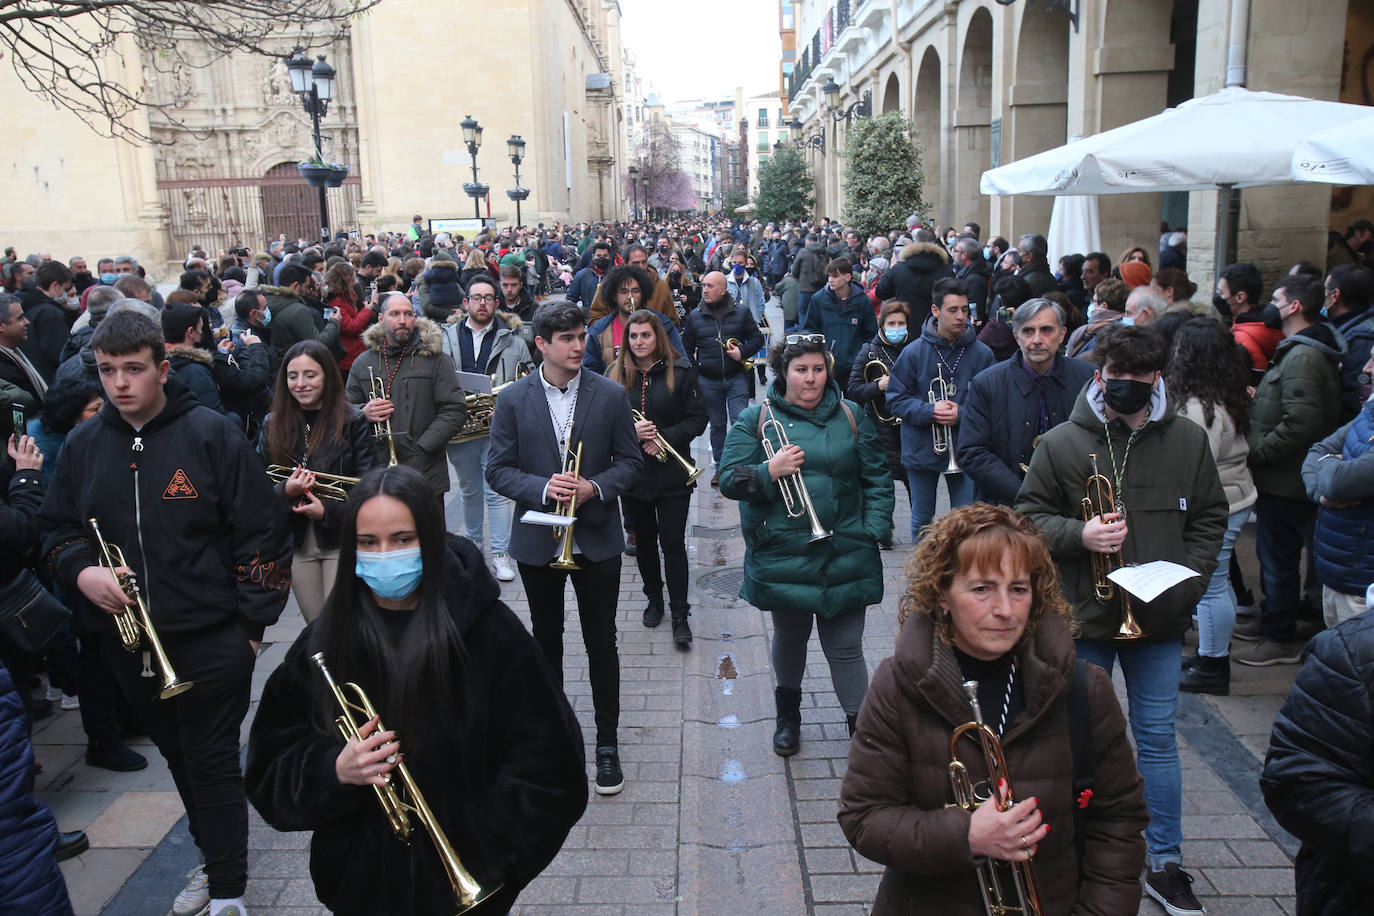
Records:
x=787, y=738
x=849, y=721
x=1209, y=675
x=1190, y=660
x=653, y=614
x=682, y=633
x=71, y=844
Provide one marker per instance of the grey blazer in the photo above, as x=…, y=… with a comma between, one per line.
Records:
x=524, y=455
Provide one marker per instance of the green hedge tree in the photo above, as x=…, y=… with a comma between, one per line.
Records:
x=883, y=178
x=786, y=188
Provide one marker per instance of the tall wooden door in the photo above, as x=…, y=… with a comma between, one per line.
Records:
x=289, y=205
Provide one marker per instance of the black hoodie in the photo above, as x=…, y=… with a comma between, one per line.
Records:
x=183, y=498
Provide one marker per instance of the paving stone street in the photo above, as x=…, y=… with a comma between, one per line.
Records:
x=711, y=821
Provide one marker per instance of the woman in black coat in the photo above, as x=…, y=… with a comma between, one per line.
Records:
x=312, y=429
x=466, y=698
x=664, y=391
x=894, y=321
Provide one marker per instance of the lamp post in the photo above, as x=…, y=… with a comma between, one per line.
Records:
x=472, y=136
x=860, y=109
x=816, y=142
x=634, y=189
x=314, y=85
x=515, y=146
x=644, y=183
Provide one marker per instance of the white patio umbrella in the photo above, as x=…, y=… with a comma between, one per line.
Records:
x=1236, y=137
x=1073, y=227
x=1338, y=155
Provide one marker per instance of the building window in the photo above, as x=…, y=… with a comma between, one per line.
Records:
x=787, y=17
x=788, y=67
x=763, y=142
x=763, y=117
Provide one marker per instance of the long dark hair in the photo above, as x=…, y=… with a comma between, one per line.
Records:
x=1209, y=365
x=410, y=683
x=623, y=369
x=286, y=429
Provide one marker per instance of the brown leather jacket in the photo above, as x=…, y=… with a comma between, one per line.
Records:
x=892, y=800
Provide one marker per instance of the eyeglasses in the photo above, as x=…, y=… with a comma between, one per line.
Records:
x=793, y=340
x=482, y=297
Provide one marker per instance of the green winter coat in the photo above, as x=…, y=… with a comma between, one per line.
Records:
x=846, y=474
x=1296, y=405
x=1176, y=510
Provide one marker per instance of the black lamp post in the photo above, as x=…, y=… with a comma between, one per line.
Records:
x=314, y=84
x=860, y=109
x=634, y=190
x=816, y=142
x=515, y=146
x=644, y=183
x=472, y=136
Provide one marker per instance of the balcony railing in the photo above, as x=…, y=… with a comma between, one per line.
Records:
x=837, y=18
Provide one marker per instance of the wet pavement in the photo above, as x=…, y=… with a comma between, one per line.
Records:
x=711, y=821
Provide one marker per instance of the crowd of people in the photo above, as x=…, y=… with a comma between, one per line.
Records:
x=287, y=422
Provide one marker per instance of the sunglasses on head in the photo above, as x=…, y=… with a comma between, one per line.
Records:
x=792, y=340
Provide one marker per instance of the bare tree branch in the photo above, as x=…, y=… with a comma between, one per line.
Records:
x=71, y=52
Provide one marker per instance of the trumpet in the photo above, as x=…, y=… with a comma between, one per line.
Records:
x=481, y=407
x=135, y=623
x=572, y=464
x=748, y=364
x=381, y=429
x=997, y=899
x=941, y=390
x=326, y=486
x=1098, y=500
x=875, y=369
x=399, y=804
x=664, y=450
x=795, y=497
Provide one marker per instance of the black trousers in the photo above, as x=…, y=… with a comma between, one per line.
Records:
x=661, y=522
x=597, y=586
x=198, y=735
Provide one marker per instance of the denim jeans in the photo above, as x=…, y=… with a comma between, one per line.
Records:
x=922, y=485
x=1152, y=672
x=803, y=301
x=1284, y=527
x=469, y=459
x=725, y=400
x=1216, y=611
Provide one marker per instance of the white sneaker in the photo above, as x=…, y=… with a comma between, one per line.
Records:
x=53, y=694
x=70, y=702
x=502, y=565
x=194, y=899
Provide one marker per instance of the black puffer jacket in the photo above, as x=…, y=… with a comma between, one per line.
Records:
x=909, y=280
x=680, y=416
x=706, y=329
x=866, y=393
x=506, y=784
x=1318, y=776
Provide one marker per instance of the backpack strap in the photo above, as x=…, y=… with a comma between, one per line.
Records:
x=849, y=414
x=1081, y=747
x=765, y=409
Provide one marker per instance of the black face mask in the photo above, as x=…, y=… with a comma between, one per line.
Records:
x=1271, y=316
x=1220, y=304
x=1126, y=396
x=601, y=263
x=82, y=277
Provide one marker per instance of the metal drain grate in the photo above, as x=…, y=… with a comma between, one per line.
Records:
x=724, y=583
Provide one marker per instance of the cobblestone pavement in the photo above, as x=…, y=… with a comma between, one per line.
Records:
x=711, y=821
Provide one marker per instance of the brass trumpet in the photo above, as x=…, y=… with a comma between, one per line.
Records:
x=795, y=497
x=326, y=486
x=875, y=369
x=381, y=429
x=992, y=873
x=748, y=364
x=398, y=804
x=664, y=450
x=941, y=390
x=135, y=623
x=572, y=464
x=1098, y=500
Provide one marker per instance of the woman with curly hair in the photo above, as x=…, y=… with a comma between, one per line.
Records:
x=1206, y=378
x=983, y=610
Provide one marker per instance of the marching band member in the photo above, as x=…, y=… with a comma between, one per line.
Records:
x=982, y=603
x=894, y=333
x=664, y=389
x=838, y=486
x=1164, y=478
x=467, y=702
x=313, y=429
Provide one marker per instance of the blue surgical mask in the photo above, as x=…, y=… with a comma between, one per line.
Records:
x=1128, y=320
x=987, y=252
x=391, y=574
x=739, y=270
x=109, y=279
x=1092, y=312
x=894, y=335
x=267, y=316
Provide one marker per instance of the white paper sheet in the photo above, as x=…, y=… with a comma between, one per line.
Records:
x=1150, y=580
x=474, y=382
x=545, y=519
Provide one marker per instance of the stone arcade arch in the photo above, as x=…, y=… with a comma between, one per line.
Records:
x=972, y=120
x=892, y=99
x=926, y=116
x=1038, y=105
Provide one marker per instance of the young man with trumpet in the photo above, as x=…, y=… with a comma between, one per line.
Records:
x=929, y=382
x=542, y=422
x=179, y=491
x=668, y=415
x=1163, y=482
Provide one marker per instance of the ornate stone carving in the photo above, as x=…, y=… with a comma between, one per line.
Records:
x=276, y=86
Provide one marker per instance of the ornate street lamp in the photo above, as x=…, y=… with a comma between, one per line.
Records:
x=816, y=142
x=634, y=189
x=515, y=146
x=472, y=136
x=863, y=108
x=314, y=85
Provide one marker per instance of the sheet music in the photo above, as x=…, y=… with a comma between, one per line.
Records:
x=474, y=382
x=544, y=519
x=1150, y=580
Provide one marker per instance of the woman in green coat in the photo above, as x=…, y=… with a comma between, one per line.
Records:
x=791, y=570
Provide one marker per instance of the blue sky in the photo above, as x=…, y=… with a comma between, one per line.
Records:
x=703, y=48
